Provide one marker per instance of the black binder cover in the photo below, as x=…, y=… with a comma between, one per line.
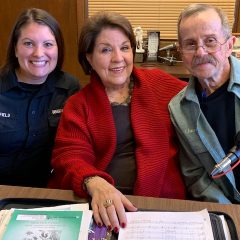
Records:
x=217, y=227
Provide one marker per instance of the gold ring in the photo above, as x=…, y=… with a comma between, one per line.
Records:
x=108, y=203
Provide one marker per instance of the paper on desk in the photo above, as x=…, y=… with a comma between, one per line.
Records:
x=167, y=225
x=87, y=214
x=5, y=215
x=72, y=207
x=32, y=224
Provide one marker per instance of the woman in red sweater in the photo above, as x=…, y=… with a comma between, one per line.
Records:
x=115, y=136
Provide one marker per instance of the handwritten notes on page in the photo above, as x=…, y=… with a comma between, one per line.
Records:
x=167, y=225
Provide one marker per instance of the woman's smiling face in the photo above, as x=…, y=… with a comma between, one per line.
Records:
x=37, y=53
x=112, y=57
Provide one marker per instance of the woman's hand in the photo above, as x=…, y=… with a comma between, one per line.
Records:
x=108, y=204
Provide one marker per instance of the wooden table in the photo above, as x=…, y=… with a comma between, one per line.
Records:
x=233, y=210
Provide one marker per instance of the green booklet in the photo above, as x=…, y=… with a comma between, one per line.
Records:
x=54, y=225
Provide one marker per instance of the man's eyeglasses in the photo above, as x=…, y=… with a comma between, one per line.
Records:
x=210, y=45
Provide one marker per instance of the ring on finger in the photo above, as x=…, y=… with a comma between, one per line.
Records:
x=108, y=203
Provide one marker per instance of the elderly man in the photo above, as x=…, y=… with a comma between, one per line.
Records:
x=206, y=114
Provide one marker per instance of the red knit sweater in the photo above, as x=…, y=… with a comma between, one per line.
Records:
x=86, y=137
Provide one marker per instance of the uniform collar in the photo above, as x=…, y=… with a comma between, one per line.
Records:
x=9, y=81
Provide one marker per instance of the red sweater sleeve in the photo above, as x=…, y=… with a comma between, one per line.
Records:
x=77, y=149
x=157, y=154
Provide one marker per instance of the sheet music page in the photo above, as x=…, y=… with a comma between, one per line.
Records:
x=167, y=225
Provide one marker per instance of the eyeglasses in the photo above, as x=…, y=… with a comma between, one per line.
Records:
x=210, y=45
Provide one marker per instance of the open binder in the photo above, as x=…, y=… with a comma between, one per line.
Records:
x=26, y=203
x=217, y=226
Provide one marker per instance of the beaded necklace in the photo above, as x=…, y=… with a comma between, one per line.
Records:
x=127, y=101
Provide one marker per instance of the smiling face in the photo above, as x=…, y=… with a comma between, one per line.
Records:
x=204, y=27
x=112, y=58
x=37, y=53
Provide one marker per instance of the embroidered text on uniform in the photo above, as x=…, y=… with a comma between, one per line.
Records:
x=56, y=111
x=6, y=115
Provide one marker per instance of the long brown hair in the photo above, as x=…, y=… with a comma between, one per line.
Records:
x=28, y=16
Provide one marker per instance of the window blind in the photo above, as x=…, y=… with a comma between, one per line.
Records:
x=156, y=15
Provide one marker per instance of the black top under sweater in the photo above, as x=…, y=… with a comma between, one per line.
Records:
x=123, y=167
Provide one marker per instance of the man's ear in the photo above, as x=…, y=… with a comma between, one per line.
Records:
x=230, y=43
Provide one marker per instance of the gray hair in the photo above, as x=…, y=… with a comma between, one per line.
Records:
x=193, y=9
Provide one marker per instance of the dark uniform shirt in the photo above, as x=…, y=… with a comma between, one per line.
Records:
x=28, y=122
